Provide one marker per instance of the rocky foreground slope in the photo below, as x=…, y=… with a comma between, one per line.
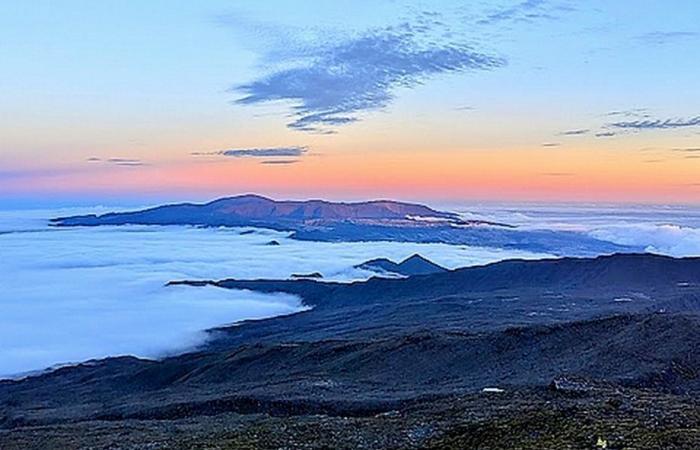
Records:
x=563, y=353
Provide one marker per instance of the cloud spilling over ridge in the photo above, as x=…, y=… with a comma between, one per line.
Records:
x=672, y=230
x=74, y=294
x=340, y=80
x=668, y=239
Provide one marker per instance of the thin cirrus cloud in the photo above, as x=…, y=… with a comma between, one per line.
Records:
x=558, y=174
x=126, y=162
x=123, y=162
x=656, y=124
x=335, y=82
x=687, y=150
x=283, y=162
x=523, y=11
x=258, y=152
x=575, y=132
x=667, y=37
x=605, y=134
x=20, y=174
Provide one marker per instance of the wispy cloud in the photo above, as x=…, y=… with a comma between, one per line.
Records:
x=331, y=84
x=19, y=174
x=575, y=132
x=667, y=37
x=656, y=124
x=605, y=134
x=558, y=174
x=528, y=9
x=687, y=149
x=126, y=162
x=259, y=152
x=283, y=162
x=551, y=144
x=644, y=112
x=117, y=161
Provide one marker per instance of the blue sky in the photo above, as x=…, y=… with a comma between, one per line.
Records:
x=159, y=81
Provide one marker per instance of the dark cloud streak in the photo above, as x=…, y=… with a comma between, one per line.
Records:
x=575, y=132
x=261, y=152
x=656, y=124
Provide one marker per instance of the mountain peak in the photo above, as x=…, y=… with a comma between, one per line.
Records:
x=413, y=265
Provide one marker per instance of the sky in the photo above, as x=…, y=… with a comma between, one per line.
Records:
x=520, y=100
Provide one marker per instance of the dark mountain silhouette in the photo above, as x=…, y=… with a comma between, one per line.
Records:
x=380, y=220
x=413, y=265
x=625, y=321
x=257, y=210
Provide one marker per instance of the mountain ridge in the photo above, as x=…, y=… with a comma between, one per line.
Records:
x=375, y=220
x=253, y=207
x=412, y=265
x=549, y=335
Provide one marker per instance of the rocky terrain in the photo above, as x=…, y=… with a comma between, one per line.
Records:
x=381, y=220
x=562, y=353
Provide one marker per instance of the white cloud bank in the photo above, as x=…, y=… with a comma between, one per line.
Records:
x=74, y=294
x=672, y=230
x=668, y=239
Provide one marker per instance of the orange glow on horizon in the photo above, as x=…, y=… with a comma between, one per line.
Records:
x=585, y=175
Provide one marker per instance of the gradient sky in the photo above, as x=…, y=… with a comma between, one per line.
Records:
x=441, y=100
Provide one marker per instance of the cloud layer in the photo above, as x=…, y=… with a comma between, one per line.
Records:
x=73, y=294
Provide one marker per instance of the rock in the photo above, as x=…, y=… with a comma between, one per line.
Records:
x=316, y=275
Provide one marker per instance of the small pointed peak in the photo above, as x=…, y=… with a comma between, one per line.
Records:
x=415, y=257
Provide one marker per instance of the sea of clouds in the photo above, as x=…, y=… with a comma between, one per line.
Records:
x=672, y=230
x=72, y=294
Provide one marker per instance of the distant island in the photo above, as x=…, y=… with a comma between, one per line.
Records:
x=378, y=220
x=256, y=210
